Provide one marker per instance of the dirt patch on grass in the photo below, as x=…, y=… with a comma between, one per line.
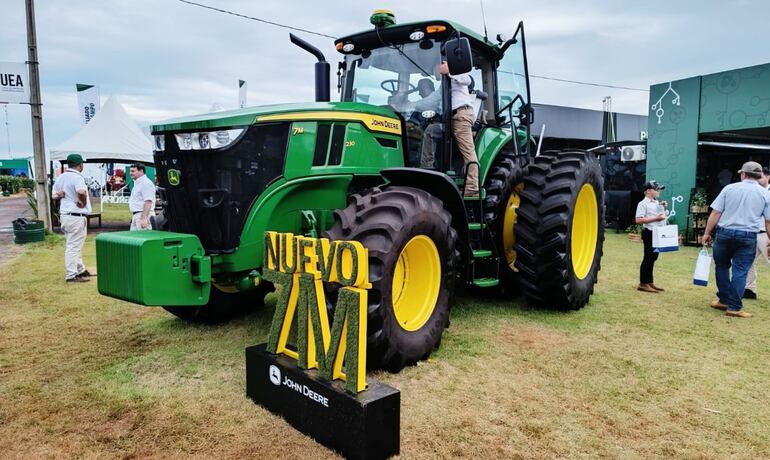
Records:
x=8, y=249
x=530, y=338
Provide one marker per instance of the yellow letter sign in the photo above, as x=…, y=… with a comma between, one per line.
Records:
x=299, y=266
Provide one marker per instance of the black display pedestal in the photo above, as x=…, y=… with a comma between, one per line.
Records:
x=365, y=426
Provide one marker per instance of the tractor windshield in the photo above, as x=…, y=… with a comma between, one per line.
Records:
x=403, y=77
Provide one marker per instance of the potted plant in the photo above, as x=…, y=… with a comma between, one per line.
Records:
x=634, y=232
x=699, y=202
x=29, y=230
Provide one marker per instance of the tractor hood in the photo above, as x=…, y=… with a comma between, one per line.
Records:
x=374, y=117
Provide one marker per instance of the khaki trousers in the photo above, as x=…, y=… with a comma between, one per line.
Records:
x=74, y=228
x=462, y=122
x=751, y=278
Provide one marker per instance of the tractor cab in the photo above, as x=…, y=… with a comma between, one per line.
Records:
x=397, y=66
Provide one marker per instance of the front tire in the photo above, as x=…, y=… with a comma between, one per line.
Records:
x=560, y=229
x=412, y=263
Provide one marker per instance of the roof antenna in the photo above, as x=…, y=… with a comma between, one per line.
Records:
x=483, y=19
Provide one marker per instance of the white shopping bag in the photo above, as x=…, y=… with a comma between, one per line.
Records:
x=702, y=268
x=665, y=238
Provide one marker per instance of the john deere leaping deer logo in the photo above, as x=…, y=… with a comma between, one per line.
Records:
x=174, y=176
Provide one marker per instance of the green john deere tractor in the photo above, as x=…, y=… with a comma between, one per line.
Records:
x=379, y=167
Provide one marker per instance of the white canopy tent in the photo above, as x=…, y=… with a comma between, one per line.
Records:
x=111, y=136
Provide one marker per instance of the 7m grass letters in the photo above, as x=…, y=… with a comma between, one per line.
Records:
x=299, y=266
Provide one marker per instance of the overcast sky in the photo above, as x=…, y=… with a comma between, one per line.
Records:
x=163, y=58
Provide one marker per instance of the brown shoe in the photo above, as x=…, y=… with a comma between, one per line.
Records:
x=646, y=288
x=656, y=288
x=738, y=313
x=718, y=305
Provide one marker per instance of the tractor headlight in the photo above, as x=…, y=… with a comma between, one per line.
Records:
x=207, y=140
x=184, y=141
x=219, y=139
x=159, y=142
x=417, y=35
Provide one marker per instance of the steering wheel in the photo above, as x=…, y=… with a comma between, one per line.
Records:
x=392, y=84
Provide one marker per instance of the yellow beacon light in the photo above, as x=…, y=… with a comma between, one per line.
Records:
x=382, y=18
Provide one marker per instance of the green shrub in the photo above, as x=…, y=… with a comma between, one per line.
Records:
x=14, y=184
x=634, y=228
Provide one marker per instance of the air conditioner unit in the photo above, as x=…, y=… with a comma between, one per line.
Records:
x=633, y=153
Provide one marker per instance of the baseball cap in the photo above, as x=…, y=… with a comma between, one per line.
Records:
x=751, y=167
x=74, y=159
x=652, y=184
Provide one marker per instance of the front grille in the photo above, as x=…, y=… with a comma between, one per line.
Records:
x=216, y=188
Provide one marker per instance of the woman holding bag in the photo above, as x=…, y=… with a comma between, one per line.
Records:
x=650, y=213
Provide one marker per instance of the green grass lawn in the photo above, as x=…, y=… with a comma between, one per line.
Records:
x=114, y=212
x=632, y=375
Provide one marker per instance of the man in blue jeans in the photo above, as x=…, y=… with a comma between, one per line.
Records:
x=739, y=212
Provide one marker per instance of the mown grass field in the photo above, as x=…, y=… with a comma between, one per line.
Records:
x=114, y=212
x=633, y=375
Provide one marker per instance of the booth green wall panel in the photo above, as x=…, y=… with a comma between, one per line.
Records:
x=736, y=99
x=672, y=143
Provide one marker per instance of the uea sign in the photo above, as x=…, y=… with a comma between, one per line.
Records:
x=299, y=382
x=14, y=83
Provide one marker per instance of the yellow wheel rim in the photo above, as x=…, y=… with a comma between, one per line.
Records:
x=585, y=231
x=509, y=221
x=416, y=283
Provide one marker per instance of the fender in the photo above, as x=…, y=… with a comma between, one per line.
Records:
x=442, y=187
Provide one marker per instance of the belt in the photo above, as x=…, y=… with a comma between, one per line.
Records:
x=763, y=231
x=136, y=212
x=727, y=232
x=74, y=214
x=465, y=106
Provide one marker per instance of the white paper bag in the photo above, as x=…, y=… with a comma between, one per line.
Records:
x=702, y=268
x=665, y=238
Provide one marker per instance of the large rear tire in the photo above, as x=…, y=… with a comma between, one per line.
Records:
x=500, y=210
x=560, y=229
x=222, y=306
x=412, y=263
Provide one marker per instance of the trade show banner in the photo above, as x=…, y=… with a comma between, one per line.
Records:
x=14, y=83
x=88, y=101
x=241, y=93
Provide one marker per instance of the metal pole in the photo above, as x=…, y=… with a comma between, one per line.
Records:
x=36, y=106
x=8, y=131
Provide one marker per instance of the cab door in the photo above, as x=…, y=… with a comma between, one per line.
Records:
x=513, y=98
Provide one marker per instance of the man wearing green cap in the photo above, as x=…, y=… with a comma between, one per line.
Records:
x=70, y=188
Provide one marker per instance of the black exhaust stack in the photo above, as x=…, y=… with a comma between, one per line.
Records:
x=322, y=69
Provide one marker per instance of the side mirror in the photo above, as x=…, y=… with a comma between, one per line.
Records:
x=527, y=114
x=458, y=55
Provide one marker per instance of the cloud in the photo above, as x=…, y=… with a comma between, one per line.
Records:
x=166, y=59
